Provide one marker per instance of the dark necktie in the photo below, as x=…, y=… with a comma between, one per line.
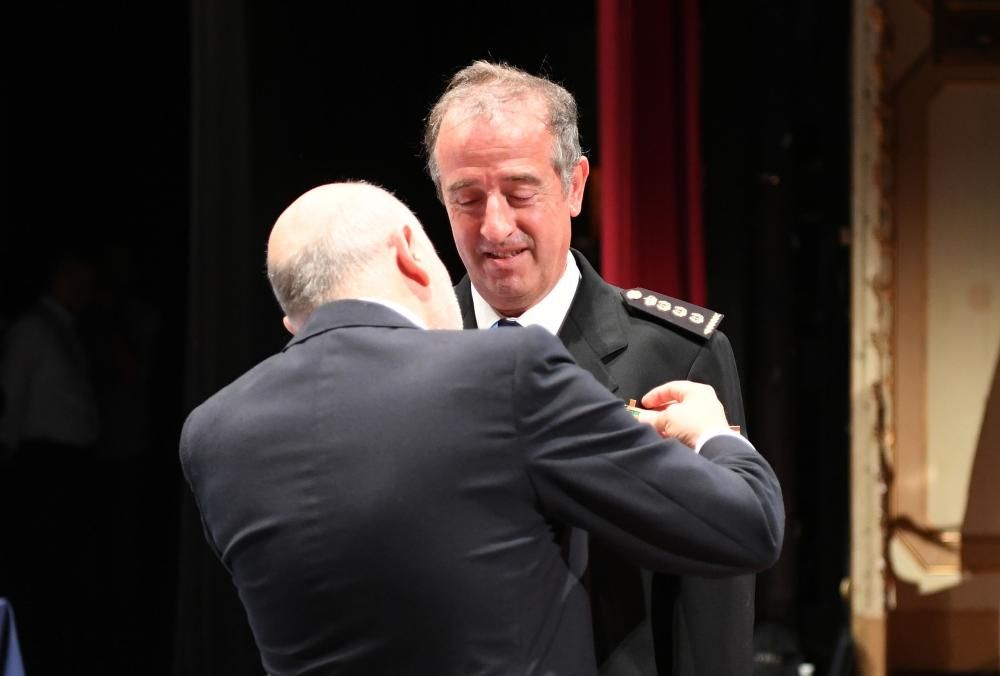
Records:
x=504, y=323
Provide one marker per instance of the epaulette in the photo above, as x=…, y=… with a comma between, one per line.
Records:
x=697, y=320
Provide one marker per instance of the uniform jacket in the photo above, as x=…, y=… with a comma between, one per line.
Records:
x=383, y=497
x=700, y=627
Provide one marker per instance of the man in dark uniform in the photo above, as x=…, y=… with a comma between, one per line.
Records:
x=504, y=153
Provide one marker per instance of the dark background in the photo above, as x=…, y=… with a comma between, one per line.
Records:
x=102, y=111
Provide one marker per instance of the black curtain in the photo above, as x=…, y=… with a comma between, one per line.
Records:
x=776, y=140
x=223, y=319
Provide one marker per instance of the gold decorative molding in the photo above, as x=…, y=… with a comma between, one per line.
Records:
x=871, y=354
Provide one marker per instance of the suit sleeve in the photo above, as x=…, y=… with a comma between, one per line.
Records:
x=189, y=468
x=593, y=466
x=710, y=607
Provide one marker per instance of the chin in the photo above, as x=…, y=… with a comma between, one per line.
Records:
x=502, y=293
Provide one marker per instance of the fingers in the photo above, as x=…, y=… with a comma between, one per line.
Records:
x=673, y=392
x=688, y=410
x=651, y=418
x=665, y=422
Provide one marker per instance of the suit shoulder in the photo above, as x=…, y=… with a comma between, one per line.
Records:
x=690, y=320
x=222, y=404
x=539, y=342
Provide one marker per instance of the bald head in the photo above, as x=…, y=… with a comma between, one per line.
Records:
x=346, y=240
x=345, y=215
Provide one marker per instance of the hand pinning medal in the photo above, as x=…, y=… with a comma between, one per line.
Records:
x=637, y=412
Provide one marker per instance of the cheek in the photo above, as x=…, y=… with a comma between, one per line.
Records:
x=465, y=234
x=550, y=235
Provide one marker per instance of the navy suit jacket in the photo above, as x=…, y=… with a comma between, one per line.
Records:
x=383, y=497
x=700, y=627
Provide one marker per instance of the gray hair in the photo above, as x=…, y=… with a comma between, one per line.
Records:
x=313, y=275
x=342, y=251
x=483, y=86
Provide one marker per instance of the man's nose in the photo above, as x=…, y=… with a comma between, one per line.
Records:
x=498, y=221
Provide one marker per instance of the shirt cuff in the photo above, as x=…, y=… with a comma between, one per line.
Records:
x=711, y=434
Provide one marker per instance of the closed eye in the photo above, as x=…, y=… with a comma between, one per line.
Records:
x=465, y=200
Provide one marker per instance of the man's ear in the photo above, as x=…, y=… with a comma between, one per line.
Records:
x=289, y=325
x=577, y=184
x=408, y=258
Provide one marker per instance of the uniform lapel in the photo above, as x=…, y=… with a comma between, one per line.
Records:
x=463, y=290
x=593, y=330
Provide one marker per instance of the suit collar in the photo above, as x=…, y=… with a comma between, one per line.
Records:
x=346, y=313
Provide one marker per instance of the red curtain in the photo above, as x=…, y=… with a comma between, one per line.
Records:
x=650, y=150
